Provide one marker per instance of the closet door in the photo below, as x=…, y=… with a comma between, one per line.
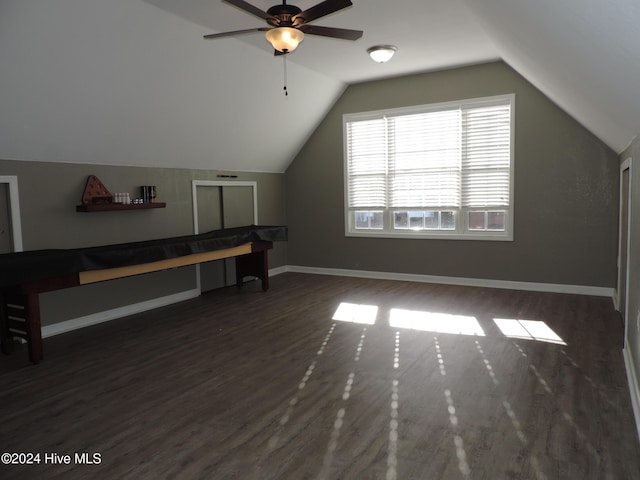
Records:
x=220, y=205
x=237, y=211
x=212, y=274
x=6, y=242
x=10, y=225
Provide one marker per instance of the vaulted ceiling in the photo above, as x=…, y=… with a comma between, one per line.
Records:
x=132, y=82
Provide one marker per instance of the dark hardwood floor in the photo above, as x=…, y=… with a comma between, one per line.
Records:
x=243, y=384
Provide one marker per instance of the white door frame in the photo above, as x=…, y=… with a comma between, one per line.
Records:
x=219, y=183
x=626, y=165
x=14, y=205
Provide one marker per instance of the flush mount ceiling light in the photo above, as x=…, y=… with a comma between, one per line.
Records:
x=382, y=53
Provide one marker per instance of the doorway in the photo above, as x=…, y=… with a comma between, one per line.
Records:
x=216, y=205
x=10, y=225
x=623, y=239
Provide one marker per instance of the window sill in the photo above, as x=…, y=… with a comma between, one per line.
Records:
x=434, y=236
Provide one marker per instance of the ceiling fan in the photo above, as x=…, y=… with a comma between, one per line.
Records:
x=289, y=23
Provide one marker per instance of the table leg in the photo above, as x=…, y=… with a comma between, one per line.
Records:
x=34, y=330
x=6, y=343
x=253, y=264
x=20, y=317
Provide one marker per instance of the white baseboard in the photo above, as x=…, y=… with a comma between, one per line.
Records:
x=278, y=270
x=469, y=282
x=95, y=318
x=616, y=299
x=634, y=388
x=99, y=317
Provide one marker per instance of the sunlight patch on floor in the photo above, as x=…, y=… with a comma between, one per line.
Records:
x=443, y=371
x=392, y=448
x=463, y=465
x=355, y=313
x=528, y=330
x=435, y=322
x=487, y=364
x=332, y=446
x=284, y=419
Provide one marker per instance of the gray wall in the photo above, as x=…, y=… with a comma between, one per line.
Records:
x=566, y=191
x=49, y=193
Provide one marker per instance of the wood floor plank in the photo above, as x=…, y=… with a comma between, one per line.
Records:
x=245, y=384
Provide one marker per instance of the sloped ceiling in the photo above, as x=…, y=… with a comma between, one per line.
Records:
x=583, y=54
x=132, y=82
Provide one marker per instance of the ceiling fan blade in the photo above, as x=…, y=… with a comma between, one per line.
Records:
x=236, y=32
x=247, y=7
x=342, y=33
x=320, y=10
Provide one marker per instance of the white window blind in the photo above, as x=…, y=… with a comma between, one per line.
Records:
x=367, y=170
x=453, y=158
x=486, y=156
x=424, y=159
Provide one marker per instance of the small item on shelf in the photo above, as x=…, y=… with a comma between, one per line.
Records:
x=95, y=192
x=148, y=193
x=122, y=198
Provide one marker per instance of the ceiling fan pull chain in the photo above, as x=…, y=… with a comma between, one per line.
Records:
x=284, y=62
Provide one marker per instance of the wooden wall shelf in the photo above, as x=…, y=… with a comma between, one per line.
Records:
x=106, y=207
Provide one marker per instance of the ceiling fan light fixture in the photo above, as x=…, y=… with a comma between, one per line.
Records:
x=284, y=39
x=382, y=53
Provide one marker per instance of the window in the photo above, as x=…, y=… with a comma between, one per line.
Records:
x=443, y=170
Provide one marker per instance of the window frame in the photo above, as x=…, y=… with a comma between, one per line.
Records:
x=462, y=230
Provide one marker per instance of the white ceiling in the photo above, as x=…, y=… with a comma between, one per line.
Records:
x=432, y=34
x=583, y=54
x=133, y=82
